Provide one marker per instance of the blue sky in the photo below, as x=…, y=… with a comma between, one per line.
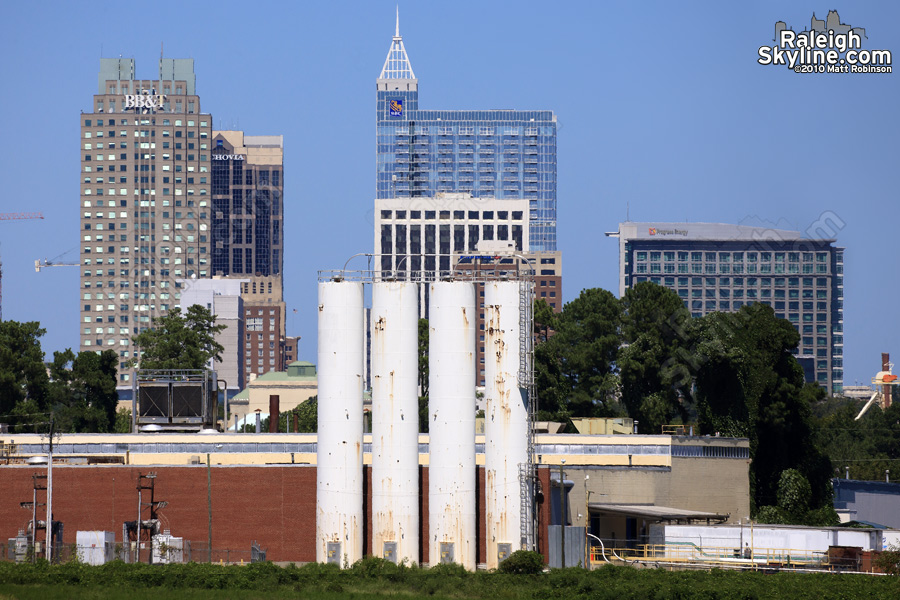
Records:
x=661, y=107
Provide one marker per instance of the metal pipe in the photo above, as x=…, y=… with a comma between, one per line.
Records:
x=49, y=528
x=274, y=412
x=562, y=514
x=602, y=547
x=208, y=509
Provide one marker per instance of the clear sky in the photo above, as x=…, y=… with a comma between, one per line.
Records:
x=662, y=107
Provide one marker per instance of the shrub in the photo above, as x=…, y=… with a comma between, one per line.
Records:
x=523, y=562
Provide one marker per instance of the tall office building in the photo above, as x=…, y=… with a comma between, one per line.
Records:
x=248, y=238
x=498, y=154
x=720, y=267
x=456, y=235
x=144, y=187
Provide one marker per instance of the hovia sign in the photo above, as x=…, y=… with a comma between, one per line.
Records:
x=228, y=157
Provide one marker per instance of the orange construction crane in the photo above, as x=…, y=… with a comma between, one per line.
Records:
x=13, y=217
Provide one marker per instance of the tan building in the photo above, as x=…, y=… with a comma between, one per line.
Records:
x=145, y=203
x=297, y=384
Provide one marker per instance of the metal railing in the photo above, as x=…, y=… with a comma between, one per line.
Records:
x=688, y=553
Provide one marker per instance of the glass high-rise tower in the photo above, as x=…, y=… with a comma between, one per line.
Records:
x=501, y=154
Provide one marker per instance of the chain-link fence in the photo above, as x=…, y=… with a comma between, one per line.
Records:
x=171, y=551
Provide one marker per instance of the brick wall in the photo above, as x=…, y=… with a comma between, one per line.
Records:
x=273, y=505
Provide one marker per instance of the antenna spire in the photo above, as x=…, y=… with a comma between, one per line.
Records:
x=396, y=65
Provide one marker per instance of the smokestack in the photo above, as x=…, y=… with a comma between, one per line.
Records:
x=274, y=402
x=886, y=389
x=258, y=422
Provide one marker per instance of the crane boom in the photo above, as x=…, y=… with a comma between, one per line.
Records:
x=20, y=215
x=44, y=263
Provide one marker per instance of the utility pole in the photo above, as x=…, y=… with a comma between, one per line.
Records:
x=49, y=528
x=562, y=513
x=209, y=506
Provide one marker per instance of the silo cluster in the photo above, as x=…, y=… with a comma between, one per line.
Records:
x=395, y=493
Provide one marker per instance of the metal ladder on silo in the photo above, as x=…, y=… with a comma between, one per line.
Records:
x=526, y=383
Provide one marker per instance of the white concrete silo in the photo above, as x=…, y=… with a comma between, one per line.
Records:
x=395, y=421
x=339, y=480
x=451, y=419
x=506, y=419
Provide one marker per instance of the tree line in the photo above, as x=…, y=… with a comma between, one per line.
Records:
x=732, y=374
x=78, y=390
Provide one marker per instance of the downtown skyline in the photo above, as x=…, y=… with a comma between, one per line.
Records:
x=665, y=117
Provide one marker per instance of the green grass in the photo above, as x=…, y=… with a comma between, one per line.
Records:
x=376, y=579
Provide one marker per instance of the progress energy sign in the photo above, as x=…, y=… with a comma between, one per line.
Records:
x=828, y=46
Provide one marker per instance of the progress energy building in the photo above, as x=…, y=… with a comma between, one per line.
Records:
x=721, y=267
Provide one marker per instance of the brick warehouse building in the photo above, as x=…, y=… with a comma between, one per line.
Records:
x=263, y=486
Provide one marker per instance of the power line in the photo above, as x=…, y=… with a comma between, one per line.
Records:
x=24, y=415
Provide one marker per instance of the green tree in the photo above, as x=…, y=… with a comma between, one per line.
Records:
x=749, y=385
x=869, y=446
x=307, y=417
x=23, y=377
x=575, y=367
x=544, y=320
x=123, y=421
x=423, y=357
x=423, y=375
x=82, y=391
x=794, y=504
x=652, y=369
x=179, y=341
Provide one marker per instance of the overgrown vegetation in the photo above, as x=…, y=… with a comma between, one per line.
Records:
x=376, y=578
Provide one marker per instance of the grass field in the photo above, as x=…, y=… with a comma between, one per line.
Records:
x=376, y=579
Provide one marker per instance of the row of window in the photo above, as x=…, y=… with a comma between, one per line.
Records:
x=724, y=269
x=728, y=257
x=765, y=282
x=142, y=121
x=487, y=215
x=138, y=133
x=726, y=293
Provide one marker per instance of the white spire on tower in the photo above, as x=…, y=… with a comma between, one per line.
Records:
x=396, y=65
